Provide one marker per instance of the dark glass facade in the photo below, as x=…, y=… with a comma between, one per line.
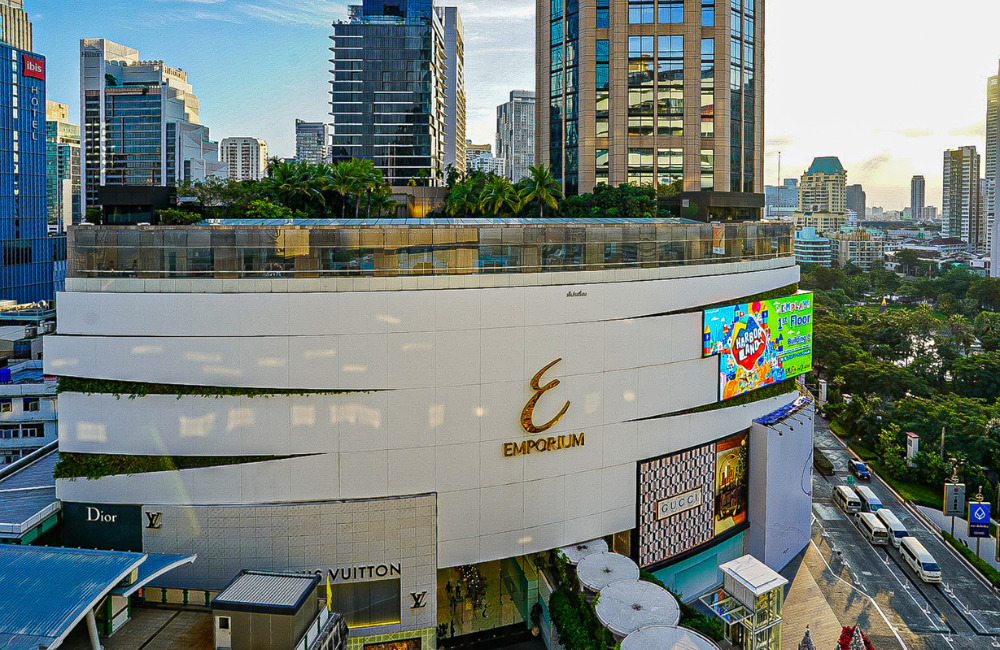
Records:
x=387, y=93
x=26, y=252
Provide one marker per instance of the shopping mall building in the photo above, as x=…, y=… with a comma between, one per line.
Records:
x=417, y=408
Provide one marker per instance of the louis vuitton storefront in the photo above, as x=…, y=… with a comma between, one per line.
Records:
x=420, y=424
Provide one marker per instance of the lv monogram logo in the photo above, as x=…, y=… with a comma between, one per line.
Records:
x=154, y=520
x=419, y=599
x=529, y=408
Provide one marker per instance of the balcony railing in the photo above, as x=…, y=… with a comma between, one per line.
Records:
x=389, y=248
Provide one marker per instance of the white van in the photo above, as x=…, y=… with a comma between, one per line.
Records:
x=922, y=562
x=897, y=531
x=869, y=502
x=845, y=497
x=872, y=528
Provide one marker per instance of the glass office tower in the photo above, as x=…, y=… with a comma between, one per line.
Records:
x=389, y=92
x=26, y=252
x=654, y=92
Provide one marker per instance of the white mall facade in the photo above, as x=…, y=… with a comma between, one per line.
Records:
x=405, y=437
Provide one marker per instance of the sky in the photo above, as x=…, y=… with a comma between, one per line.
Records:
x=885, y=85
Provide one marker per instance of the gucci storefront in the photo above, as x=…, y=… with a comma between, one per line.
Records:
x=420, y=437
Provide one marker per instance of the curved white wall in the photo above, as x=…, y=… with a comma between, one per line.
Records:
x=447, y=373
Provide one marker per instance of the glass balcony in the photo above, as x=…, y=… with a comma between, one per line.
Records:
x=414, y=247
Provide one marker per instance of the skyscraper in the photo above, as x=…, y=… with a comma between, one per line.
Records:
x=918, y=197
x=992, y=144
x=454, y=104
x=15, y=28
x=643, y=93
x=26, y=252
x=389, y=93
x=960, y=201
x=141, y=131
x=824, y=187
x=516, y=134
x=62, y=166
x=245, y=157
x=856, y=200
x=312, y=142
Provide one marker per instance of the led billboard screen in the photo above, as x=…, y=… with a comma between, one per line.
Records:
x=759, y=343
x=688, y=498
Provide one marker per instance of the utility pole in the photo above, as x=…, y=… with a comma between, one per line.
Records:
x=942, y=442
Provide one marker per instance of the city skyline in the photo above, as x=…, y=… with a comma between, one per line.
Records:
x=289, y=76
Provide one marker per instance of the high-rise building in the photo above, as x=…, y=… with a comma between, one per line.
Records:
x=62, y=166
x=27, y=273
x=856, y=199
x=15, y=28
x=141, y=131
x=516, y=134
x=918, y=197
x=992, y=145
x=824, y=187
x=246, y=157
x=389, y=93
x=454, y=105
x=642, y=93
x=473, y=151
x=781, y=200
x=312, y=142
x=960, y=203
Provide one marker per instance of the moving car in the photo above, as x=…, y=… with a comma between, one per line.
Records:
x=859, y=469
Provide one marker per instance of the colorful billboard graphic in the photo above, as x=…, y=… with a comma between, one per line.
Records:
x=688, y=498
x=759, y=343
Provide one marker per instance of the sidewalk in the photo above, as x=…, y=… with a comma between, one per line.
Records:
x=987, y=547
x=805, y=605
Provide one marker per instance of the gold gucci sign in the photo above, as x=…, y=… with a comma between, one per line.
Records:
x=511, y=449
x=529, y=408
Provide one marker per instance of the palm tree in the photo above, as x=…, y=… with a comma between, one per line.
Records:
x=499, y=194
x=344, y=181
x=292, y=184
x=463, y=199
x=541, y=186
x=381, y=203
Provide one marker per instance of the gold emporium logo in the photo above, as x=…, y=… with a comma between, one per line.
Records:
x=551, y=443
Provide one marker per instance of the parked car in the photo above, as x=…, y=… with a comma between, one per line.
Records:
x=859, y=469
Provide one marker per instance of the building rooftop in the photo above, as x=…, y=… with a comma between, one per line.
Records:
x=48, y=591
x=28, y=492
x=753, y=574
x=266, y=592
x=826, y=165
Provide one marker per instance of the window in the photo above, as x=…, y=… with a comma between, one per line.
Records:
x=707, y=15
x=602, y=14
x=670, y=71
x=640, y=12
x=707, y=169
x=224, y=622
x=671, y=11
x=31, y=404
x=6, y=406
x=669, y=165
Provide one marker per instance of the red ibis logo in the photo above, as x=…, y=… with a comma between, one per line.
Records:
x=749, y=342
x=32, y=67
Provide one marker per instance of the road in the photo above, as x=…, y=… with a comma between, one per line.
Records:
x=962, y=612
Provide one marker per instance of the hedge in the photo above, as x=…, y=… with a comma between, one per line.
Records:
x=822, y=463
x=767, y=392
x=95, y=466
x=690, y=617
x=133, y=389
x=981, y=565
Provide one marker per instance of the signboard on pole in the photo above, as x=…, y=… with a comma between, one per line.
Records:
x=954, y=499
x=979, y=519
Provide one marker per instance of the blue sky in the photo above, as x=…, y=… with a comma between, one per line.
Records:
x=885, y=85
x=256, y=65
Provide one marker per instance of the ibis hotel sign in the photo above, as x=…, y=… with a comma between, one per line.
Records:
x=532, y=427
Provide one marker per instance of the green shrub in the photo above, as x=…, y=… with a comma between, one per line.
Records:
x=690, y=617
x=133, y=389
x=171, y=217
x=981, y=565
x=822, y=463
x=95, y=466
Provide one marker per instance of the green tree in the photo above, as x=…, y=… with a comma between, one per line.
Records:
x=986, y=328
x=908, y=260
x=978, y=376
x=292, y=184
x=499, y=195
x=541, y=187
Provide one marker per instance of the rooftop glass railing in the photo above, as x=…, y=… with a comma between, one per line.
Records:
x=386, y=248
